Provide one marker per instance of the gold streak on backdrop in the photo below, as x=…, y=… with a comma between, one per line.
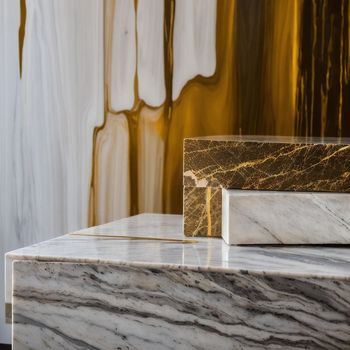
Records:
x=281, y=68
x=21, y=33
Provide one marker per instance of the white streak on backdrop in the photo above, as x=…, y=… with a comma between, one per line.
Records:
x=194, y=41
x=151, y=160
x=112, y=169
x=150, y=55
x=46, y=152
x=150, y=67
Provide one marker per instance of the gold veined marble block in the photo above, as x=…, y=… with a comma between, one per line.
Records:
x=268, y=163
x=257, y=163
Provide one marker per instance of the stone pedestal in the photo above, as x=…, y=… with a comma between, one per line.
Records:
x=138, y=283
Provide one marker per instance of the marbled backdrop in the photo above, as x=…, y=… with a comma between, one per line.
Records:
x=48, y=111
x=107, y=291
x=97, y=96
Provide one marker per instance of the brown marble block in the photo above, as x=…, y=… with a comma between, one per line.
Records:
x=268, y=163
x=256, y=163
x=202, y=211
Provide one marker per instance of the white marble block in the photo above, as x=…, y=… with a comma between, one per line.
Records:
x=98, y=289
x=284, y=217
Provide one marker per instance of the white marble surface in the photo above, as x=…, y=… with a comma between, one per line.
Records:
x=281, y=217
x=87, y=292
x=206, y=254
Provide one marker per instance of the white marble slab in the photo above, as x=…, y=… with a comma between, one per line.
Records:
x=281, y=217
x=89, y=292
x=207, y=254
x=123, y=57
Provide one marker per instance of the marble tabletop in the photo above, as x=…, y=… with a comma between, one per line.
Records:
x=203, y=254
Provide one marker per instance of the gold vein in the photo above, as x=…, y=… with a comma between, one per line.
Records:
x=135, y=238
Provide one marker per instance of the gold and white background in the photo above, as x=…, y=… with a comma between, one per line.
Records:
x=96, y=97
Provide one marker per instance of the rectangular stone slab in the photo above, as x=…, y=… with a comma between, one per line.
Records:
x=268, y=163
x=280, y=217
x=87, y=292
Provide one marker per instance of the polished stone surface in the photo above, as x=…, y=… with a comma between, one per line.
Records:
x=91, y=292
x=202, y=211
x=285, y=217
x=108, y=307
x=203, y=253
x=268, y=163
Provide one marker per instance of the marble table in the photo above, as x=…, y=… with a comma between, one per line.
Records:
x=97, y=292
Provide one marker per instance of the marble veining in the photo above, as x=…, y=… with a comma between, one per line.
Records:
x=280, y=87
x=268, y=163
x=206, y=255
x=285, y=217
x=88, y=306
x=83, y=292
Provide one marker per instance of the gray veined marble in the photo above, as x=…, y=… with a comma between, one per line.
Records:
x=78, y=292
x=85, y=306
x=283, y=217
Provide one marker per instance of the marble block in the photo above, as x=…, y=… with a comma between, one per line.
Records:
x=101, y=292
x=281, y=217
x=268, y=163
